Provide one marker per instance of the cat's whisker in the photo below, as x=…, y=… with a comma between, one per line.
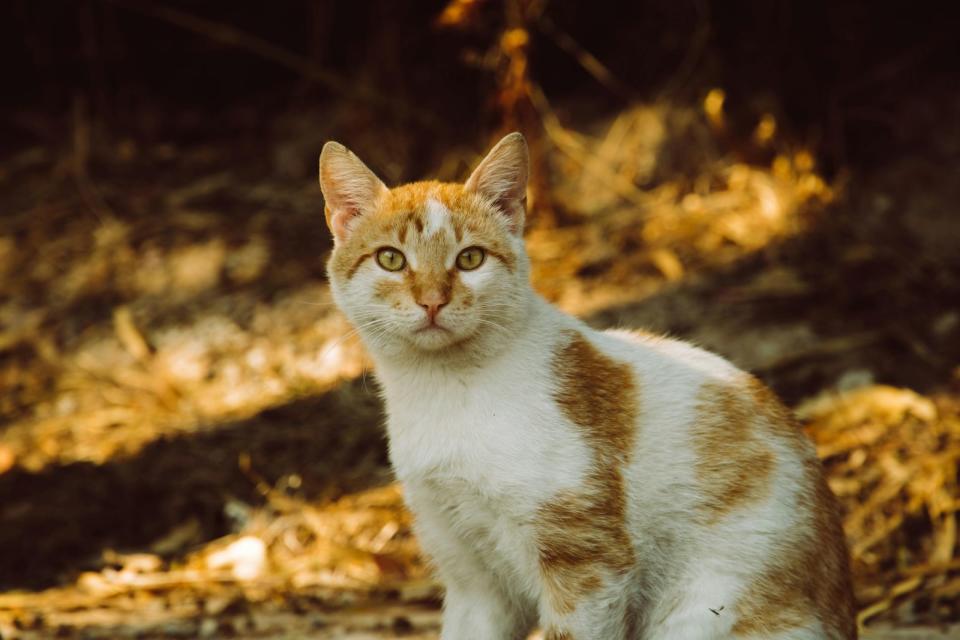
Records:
x=492, y=324
x=357, y=329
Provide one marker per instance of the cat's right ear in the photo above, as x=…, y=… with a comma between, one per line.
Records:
x=350, y=189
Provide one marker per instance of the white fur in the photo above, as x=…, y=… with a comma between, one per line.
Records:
x=438, y=217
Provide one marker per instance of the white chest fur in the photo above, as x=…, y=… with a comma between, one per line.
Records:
x=496, y=427
x=479, y=451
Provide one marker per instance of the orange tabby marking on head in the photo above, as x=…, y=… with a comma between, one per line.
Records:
x=353, y=253
x=733, y=466
x=424, y=281
x=357, y=261
x=389, y=290
x=813, y=577
x=403, y=210
x=582, y=534
x=402, y=232
x=554, y=634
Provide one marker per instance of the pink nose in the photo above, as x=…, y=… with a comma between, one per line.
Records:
x=432, y=302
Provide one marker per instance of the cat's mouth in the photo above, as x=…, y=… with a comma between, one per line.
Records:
x=432, y=327
x=432, y=336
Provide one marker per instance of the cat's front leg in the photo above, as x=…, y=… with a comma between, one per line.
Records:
x=477, y=611
x=589, y=606
x=476, y=606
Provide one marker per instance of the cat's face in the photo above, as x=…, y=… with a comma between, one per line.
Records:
x=428, y=266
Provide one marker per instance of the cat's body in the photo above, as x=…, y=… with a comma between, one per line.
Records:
x=605, y=485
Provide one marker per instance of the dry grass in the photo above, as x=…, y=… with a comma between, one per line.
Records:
x=892, y=456
x=654, y=198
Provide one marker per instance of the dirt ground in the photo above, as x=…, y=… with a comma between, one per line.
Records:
x=190, y=442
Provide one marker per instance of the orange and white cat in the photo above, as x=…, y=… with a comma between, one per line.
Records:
x=603, y=485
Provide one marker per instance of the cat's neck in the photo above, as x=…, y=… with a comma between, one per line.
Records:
x=533, y=319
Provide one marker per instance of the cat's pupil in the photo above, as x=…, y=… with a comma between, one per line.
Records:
x=391, y=259
x=470, y=258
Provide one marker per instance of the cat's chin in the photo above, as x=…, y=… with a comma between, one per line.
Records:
x=430, y=342
x=435, y=338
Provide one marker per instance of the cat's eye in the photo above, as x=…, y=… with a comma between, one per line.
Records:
x=471, y=258
x=391, y=259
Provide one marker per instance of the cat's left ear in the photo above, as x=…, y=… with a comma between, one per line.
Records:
x=502, y=177
x=350, y=189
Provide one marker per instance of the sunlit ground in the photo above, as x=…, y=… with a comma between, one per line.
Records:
x=191, y=443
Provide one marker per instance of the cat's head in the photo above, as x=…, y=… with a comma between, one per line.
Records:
x=429, y=266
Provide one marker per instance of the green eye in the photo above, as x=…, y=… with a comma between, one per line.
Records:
x=391, y=259
x=471, y=258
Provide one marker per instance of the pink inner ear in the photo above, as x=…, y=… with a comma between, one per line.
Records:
x=338, y=223
x=350, y=189
x=513, y=211
x=344, y=208
x=502, y=177
x=513, y=206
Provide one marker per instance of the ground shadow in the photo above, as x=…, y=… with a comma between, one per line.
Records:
x=59, y=520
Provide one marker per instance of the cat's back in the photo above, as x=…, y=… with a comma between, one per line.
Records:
x=674, y=384
x=712, y=444
x=721, y=472
x=681, y=389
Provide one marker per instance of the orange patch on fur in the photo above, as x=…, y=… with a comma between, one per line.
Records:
x=389, y=290
x=426, y=281
x=733, y=466
x=812, y=578
x=554, y=634
x=779, y=419
x=583, y=535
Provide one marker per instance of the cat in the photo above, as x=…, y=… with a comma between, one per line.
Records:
x=602, y=485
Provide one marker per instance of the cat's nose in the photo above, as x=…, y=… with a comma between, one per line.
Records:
x=432, y=302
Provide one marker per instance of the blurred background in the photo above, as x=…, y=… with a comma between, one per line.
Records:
x=190, y=445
